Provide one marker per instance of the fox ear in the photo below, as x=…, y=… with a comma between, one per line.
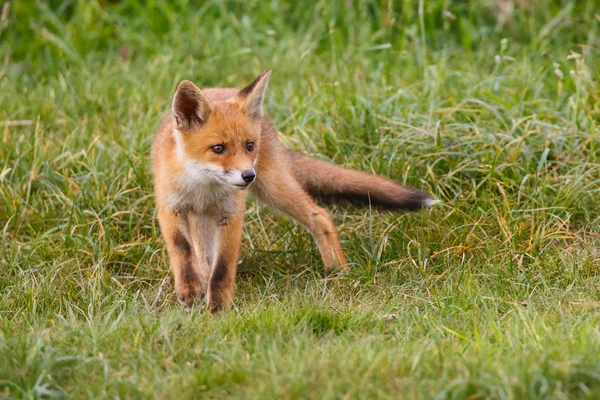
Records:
x=190, y=106
x=252, y=95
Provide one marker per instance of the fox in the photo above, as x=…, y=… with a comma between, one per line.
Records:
x=214, y=147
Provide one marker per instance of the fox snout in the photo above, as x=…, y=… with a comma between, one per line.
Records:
x=241, y=179
x=248, y=175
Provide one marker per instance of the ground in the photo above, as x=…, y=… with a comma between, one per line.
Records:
x=492, y=294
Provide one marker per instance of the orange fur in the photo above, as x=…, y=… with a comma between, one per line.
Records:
x=214, y=144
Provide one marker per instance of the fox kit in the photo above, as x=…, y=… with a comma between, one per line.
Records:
x=214, y=147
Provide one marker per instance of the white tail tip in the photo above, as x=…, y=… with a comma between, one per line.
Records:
x=430, y=203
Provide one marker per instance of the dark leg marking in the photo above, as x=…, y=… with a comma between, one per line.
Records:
x=190, y=288
x=219, y=273
x=188, y=275
x=182, y=244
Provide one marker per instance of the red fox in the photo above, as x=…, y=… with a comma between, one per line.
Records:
x=215, y=144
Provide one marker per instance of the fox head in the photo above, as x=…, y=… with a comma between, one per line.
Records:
x=219, y=140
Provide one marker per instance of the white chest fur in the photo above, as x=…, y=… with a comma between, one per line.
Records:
x=202, y=195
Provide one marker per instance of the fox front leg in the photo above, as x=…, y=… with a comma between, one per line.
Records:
x=222, y=279
x=189, y=286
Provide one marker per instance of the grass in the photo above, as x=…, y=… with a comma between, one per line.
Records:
x=494, y=294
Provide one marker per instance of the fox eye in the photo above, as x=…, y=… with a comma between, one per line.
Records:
x=250, y=146
x=218, y=148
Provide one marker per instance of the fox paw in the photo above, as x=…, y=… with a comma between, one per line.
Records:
x=191, y=294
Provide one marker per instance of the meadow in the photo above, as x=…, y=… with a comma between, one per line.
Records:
x=493, y=107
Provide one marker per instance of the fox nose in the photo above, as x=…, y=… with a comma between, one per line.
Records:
x=248, y=175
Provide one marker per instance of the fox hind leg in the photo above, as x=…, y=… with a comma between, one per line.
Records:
x=280, y=190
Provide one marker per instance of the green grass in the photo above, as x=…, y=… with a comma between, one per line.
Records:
x=493, y=294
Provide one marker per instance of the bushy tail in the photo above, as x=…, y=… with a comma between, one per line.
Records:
x=330, y=182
